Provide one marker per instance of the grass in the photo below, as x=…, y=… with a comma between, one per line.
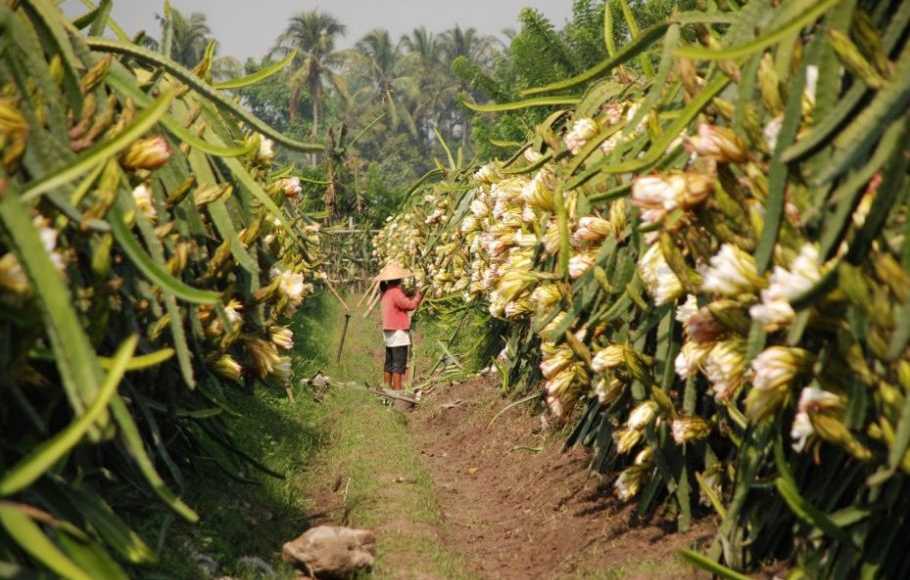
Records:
x=247, y=514
x=370, y=449
x=240, y=520
x=665, y=569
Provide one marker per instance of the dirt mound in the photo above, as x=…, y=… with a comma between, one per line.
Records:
x=516, y=506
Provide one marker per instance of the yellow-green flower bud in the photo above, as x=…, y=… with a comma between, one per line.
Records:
x=147, y=154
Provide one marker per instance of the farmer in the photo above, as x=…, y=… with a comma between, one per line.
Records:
x=396, y=321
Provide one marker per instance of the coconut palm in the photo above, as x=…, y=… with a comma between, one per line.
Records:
x=467, y=43
x=313, y=35
x=425, y=54
x=423, y=47
x=385, y=70
x=189, y=35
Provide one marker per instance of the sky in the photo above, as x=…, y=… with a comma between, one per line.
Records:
x=248, y=28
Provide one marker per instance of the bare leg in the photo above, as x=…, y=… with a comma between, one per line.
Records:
x=388, y=379
x=396, y=381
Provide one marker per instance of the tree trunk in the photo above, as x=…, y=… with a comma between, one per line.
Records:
x=316, y=96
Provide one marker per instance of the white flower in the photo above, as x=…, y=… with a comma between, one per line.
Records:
x=487, y=173
x=731, y=272
x=582, y=130
x=142, y=195
x=642, y=415
x=690, y=358
x=628, y=483
x=811, y=399
x=773, y=370
x=538, y=193
x=525, y=240
x=545, y=296
x=555, y=406
x=718, y=143
x=685, y=429
x=532, y=155
x=592, y=229
x=772, y=130
x=283, y=337
x=774, y=311
x=724, y=367
x=290, y=186
x=292, y=286
x=811, y=82
x=479, y=208
x=266, y=150
x=776, y=366
x=232, y=311
x=608, y=358
x=581, y=263
x=800, y=431
x=659, y=279
x=468, y=224
x=656, y=195
x=282, y=368
x=687, y=309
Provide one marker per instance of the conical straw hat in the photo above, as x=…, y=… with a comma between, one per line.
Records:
x=393, y=271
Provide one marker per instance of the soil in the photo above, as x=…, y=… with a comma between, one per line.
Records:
x=516, y=506
x=513, y=504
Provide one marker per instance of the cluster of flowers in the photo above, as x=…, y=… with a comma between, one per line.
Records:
x=692, y=231
x=167, y=233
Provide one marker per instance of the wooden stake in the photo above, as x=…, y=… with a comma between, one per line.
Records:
x=344, y=333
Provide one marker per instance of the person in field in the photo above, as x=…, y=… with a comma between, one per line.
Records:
x=397, y=308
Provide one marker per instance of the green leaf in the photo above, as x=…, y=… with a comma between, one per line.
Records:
x=630, y=51
x=140, y=363
x=847, y=196
x=49, y=17
x=219, y=213
x=258, y=76
x=154, y=272
x=30, y=538
x=73, y=352
x=102, y=17
x=118, y=30
x=119, y=80
x=523, y=104
x=207, y=91
x=711, y=566
x=809, y=16
x=778, y=171
x=246, y=180
x=102, y=151
x=91, y=556
x=807, y=512
x=864, y=130
x=109, y=526
x=659, y=147
x=132, y=440
x=45, y=455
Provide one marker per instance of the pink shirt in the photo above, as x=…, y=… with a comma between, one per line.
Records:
x=395, y=308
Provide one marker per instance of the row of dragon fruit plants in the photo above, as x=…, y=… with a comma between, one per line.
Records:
x=151, y=253
x=706, y=265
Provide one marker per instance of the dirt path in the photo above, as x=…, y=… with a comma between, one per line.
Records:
x=516, y=506
x=451, y=497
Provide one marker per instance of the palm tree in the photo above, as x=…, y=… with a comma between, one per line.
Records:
x=385, y=69
x=425, y=53
x=189, y=35
x=313, y=35
x=423, y=47
x=467, y=43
